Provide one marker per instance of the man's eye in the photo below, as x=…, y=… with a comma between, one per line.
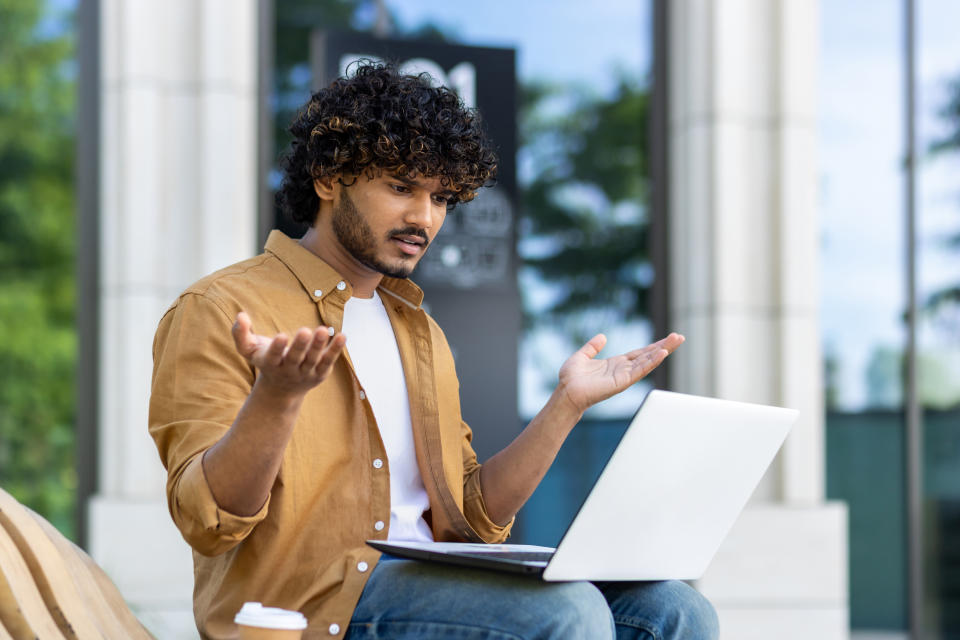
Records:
x=401, y=188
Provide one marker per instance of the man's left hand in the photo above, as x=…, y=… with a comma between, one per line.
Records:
x=586, y=380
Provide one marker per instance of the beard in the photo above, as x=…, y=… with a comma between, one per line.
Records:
x=356, y=236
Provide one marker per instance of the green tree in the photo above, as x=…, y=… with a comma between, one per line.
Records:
x=37, y=244
x=585, y=204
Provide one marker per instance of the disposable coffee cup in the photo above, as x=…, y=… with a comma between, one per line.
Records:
x=257, y=622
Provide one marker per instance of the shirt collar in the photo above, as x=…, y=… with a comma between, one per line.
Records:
x=319, y=279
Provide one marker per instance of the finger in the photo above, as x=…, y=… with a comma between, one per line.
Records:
x=643, y=366
x=330, y=355
x=593, y=346
x=298, y=348
x=242, y=334
x=670, y=343
x=318, y=341
x=274, y=354
x=639, y=368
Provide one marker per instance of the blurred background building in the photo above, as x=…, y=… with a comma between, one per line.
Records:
x=776, y=179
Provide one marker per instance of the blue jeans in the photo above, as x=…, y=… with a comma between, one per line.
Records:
x=406, y=599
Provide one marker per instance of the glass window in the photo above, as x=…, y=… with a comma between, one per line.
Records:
x=864, y=305
x=863, y=296
x=938, y=330
x=583, y=176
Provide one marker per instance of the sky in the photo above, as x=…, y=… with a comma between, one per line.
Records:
x=564, y=40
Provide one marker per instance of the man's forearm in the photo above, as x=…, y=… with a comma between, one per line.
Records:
x=509, y=478
x=242, y=466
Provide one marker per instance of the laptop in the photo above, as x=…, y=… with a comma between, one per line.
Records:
x=665, y=500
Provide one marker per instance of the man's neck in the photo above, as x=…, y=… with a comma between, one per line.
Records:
x=323, y=244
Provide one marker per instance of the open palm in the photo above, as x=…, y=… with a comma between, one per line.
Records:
x=588, y=380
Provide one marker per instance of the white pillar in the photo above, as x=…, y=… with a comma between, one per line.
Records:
x=178, y=192
x=745, y=269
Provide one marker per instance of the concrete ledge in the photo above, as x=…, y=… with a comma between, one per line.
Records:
x=137, y=544
x=783, y=624
x=782, y=573
x=169, y=624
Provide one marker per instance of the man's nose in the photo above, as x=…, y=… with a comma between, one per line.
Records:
x=420, y=212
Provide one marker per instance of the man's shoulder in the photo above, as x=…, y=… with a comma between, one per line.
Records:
x=247, y=272
x=250, y=280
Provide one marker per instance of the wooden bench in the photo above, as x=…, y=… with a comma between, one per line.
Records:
x=50, y=588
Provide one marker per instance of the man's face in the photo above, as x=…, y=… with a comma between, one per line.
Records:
x=387, y=223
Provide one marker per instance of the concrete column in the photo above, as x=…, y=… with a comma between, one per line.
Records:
x=745, y=269
x=178, y=192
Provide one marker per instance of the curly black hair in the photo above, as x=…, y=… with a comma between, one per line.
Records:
x=379, y=119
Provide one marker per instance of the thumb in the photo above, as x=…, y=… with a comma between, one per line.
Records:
x=243, y=334
x=593, y=346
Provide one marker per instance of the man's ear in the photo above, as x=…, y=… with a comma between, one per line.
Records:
x=323, y=187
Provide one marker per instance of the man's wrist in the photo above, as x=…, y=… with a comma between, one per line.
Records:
x=277, y=397
x=562, y=408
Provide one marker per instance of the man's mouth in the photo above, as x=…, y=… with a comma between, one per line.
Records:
x=410, y=244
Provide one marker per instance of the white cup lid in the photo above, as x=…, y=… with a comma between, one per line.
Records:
x=254, y=614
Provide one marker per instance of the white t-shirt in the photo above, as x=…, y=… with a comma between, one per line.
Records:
x=372, y=347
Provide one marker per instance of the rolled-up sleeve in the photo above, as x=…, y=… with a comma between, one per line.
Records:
x=208, y=528
x=475, y=510
x=199, y=384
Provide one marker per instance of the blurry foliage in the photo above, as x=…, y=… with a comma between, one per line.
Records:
x=37, y=244
x=938, y=385
x=294, y=21
x=945, y=303
x=585, y=205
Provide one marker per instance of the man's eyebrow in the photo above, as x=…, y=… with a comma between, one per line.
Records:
x=413, y=183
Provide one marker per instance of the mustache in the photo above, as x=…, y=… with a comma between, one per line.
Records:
x=411, y=231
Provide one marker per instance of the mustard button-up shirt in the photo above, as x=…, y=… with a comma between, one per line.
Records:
x=302, y=550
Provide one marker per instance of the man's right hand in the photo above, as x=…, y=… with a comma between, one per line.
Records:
x=285, y=367
x=242, y=466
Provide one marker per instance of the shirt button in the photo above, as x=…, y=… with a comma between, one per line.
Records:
x=378, y=525
x=377, y=463
x=362, y=566
x=341, y=285
x=334, y=629
x=363, y=396
x=317, y=292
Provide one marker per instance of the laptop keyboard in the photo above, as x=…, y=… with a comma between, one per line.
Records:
x=516, y=556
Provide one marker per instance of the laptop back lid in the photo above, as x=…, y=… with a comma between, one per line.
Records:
x=672, y=490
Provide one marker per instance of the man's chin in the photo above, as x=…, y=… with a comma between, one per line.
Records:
x=398, y=274
x=402, y=270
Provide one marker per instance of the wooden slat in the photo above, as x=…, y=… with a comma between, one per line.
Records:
x=105, y=603
x=57, y=588
x=10, y=616
x=4, y=634
x=22, y=609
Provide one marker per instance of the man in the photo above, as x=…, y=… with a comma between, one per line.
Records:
x=304, y=402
